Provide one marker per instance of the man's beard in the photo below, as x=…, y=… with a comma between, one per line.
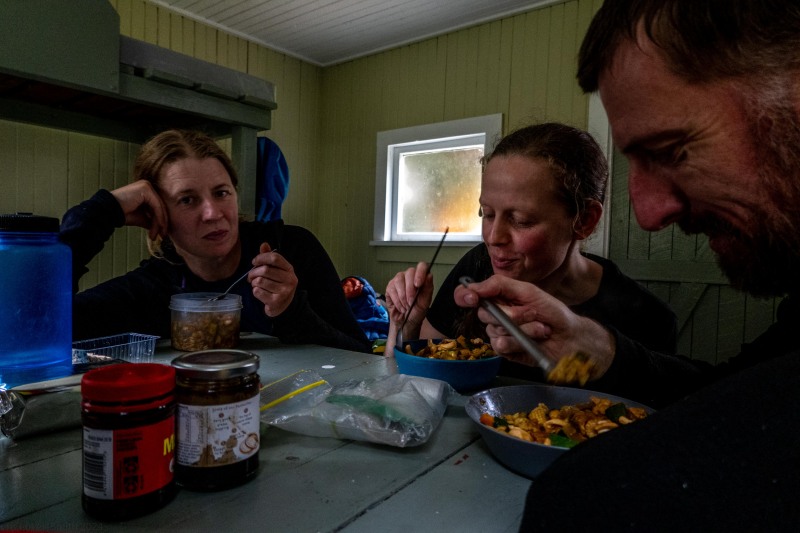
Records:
x=764, y=259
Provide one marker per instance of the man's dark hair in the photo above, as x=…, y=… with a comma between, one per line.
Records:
x=701, y=40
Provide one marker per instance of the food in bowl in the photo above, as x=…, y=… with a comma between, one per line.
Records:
x=568, y=425
x=459, y=349
x=521, y=456
x=199, y=323
x=461, y=374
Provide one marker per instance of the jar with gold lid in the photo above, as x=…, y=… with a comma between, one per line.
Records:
x=217, y=427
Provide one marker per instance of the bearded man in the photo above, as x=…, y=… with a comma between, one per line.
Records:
x=703, y=98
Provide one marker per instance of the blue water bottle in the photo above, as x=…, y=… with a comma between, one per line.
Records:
x=35, y=300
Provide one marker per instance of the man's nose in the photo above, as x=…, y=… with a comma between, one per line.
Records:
x=656, y=201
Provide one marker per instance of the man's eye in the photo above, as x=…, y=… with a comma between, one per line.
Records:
x=185, y=200
x=223, y=194
x=670, y=157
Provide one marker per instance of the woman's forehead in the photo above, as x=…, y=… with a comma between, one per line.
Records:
x=192, y=171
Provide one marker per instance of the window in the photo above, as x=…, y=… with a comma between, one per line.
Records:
x=429, y=178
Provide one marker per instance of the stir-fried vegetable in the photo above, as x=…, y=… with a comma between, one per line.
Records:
x=567, y=426
x=455, y=349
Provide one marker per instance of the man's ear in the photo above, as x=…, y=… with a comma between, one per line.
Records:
x=586, y=223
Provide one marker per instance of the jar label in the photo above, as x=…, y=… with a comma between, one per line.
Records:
x=125, y=463
x=217, y=435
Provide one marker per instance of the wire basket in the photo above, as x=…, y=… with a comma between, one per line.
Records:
x=131, y=347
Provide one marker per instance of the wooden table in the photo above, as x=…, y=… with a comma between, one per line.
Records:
x=450, y=483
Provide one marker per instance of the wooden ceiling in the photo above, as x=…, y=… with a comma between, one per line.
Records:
x=327, y=32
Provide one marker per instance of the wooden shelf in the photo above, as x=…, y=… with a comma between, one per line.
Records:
x=66, y=66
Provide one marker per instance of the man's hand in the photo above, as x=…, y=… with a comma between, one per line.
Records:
x=558, y=330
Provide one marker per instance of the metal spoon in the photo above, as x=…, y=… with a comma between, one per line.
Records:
x=527, y=343
x=224, y=294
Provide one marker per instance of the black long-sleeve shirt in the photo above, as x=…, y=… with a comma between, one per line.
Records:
x=138, y=301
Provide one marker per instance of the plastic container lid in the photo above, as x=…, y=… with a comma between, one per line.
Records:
x=28, y=222
x=127, y=382
x=216, y=364
x=199, y=302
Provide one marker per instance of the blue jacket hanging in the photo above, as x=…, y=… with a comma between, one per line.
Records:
x=272, y=180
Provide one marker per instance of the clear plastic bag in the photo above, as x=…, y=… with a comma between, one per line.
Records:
x=397, y=410
x=28, y=414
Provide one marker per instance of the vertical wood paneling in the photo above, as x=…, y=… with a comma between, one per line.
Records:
x=706, y=318
x=731, y=323
x=583, y=16
x=685, y=339
x=518, y=94
x=568, y=87
x=500, y=85
x=25, y=167
x=486, y=68
x=760, y=314
x=555, y=69
x=433, y=81
x=660, y=245
x=533, y=70
x=9, y=189
x=620, y=208
x=175, y=36
x=307, y=134
x=151, y=24
x=187, y=27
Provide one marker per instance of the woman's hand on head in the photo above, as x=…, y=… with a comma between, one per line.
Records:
x=143, y=207
x=544, y=318
x=273, y=281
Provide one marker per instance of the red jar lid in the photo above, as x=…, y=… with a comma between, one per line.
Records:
x=127, y=382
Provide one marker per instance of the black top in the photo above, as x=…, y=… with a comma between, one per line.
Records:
x=139, y=300
x=620, y=303
x=725, y=458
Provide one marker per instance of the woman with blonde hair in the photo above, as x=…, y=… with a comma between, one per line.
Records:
x=184, y=194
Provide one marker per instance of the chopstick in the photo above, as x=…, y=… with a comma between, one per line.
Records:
x=527, y=343
x=419, y=289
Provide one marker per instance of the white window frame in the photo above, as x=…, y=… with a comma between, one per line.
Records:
x=599, y=128
x=453, y=133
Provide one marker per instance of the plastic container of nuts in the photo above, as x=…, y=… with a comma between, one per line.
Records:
x=198, y=323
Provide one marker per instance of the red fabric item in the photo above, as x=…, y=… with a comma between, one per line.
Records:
x=352, y=287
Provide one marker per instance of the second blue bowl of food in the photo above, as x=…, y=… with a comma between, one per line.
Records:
x=461, y=374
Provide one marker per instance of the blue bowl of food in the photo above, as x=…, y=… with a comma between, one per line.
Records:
x=465, y=364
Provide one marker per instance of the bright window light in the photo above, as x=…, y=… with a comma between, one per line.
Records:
x=429, y=178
